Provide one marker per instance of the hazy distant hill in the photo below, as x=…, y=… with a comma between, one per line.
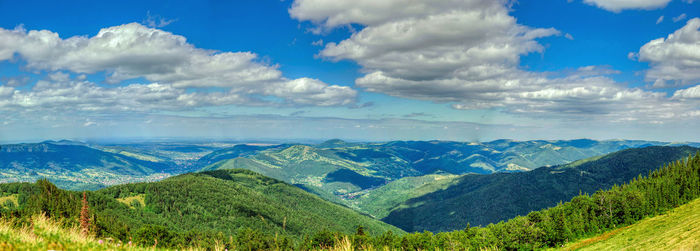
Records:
x=397, y=159
x=73, y=165
x=483, y=199
x=236, y=151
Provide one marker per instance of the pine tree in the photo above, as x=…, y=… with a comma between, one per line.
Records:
x=85, y=216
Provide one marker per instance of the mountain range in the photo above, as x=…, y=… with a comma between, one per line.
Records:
x=483, y=199
x=354, y=174
x=415, y=185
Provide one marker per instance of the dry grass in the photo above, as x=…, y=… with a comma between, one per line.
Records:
x=141, y=198
x=679, y=229
x=12, y=198
x=45, y=234
x=345, y=244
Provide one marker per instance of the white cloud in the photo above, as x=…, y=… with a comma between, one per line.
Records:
x=311, y=91
x=156, y=21
x=443, y=44
x=619, y=5
x=59, y=76
x=423, y=41
x=467, y=53
x=132, y=51
x=569, y=36
x=675, y=60
x=680, y=17
x=689, y=93
x=661, y=19
x=15, y=81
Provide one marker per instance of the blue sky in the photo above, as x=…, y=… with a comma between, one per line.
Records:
x=359, y=70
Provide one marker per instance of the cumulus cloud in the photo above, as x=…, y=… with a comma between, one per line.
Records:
x=675, y=60
x=311, y=91
x=420, y=41
x=135, y=51
x=438, y=42
x=619, y=5
x=88, y=97
x=660, y=19
x=467, y=53
x=689, y=93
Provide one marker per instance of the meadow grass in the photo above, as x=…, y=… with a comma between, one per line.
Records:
x=10, y=198
x=141, y=198
x=678, y=229
x=46, y=234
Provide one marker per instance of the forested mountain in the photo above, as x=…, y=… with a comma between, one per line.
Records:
x=350, y=173
x=197, y=207
x=164, y=218
x=74, y=165
x=484, y=199
x=78, y=165
x=397, y=159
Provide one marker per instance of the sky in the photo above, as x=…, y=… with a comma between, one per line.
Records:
x=363, y=70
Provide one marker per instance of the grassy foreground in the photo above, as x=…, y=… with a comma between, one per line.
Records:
x=679, y=229
x=45, y=234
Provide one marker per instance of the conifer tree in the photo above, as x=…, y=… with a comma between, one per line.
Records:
x=85, y=216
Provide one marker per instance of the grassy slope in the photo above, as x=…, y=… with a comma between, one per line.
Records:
x=45, y=234
x=677, y=229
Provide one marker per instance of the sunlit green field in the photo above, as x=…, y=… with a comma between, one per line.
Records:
x=679, y=229
x=45, y=234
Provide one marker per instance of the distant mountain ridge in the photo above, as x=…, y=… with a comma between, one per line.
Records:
x=368, y=166
x=71, y=164
x=365, y=166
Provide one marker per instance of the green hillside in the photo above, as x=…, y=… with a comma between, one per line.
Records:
x=196, y=208
x=321, y=171
x=678, y=229
x=381, y=201
x=484, y=199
